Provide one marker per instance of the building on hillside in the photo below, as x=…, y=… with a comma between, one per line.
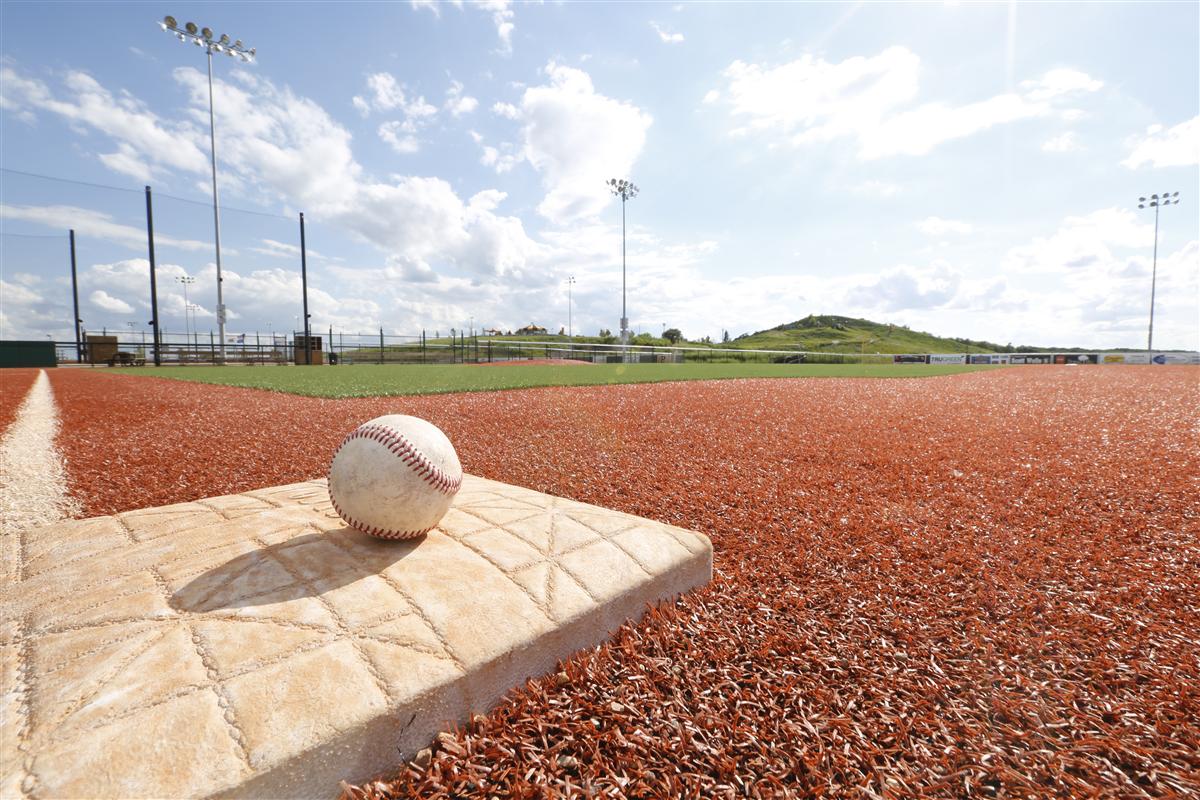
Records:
x=531, y=330
x=492, y=332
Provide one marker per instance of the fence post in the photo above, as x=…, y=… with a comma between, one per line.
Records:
x=153, y=281
x=304, y=289
x=422, y=345
x=212, y=346
x=75, y=295
x=380, y=344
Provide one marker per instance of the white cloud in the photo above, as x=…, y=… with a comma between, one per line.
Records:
x=502, y=18
x=1059, y=82
x=906, y=287
x=867, y=99
x=577, y=138
x=394, y=133
x=501, y=159
x=386, y=94
x=500, y=11
x=711, y=96
x=107, y=302
x=277, y=249
x=89, y=222
x=1178, y=146
x=127, y=161
x=666, y=36
x=936, y=226
x=875, y=188
x=291, y=151
x=1081, y=242
x=458, y=103
x=1063, y=143
x=506, y=110
x=143, y=137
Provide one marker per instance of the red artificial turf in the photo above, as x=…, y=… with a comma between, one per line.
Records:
x=984, y=584
x=14, y=385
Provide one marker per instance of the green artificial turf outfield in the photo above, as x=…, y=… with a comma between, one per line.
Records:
x=369, y=380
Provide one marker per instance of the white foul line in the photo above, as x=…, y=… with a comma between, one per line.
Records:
x=33, y=477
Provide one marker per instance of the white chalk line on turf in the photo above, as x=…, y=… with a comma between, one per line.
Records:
x=33, y=475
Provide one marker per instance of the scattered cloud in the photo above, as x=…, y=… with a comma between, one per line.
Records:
x=96, y=224
x=506, y=110
x=502, y=18
x=936, y=226
x=398, y=136
x=875, y=188
x=908, y=288
x=576, y=138
x=500, y=10
x=1059, y=82
x=1063, y=143
x=1081, y=243
x=666, y=36
x=869, y=100
x=143, y=138
x=501, y=159
x=458, y=103
x=1177, y=146
x=385, y=94
x=107, y=302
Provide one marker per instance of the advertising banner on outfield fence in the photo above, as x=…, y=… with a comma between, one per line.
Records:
x=1136, y=358
x=1075, y=358
x=947, y=358
x=908, y=359
x=1112, y=358
x=1176, y=358
x=1029, y=358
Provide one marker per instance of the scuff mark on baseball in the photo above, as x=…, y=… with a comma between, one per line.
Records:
x=394, y=477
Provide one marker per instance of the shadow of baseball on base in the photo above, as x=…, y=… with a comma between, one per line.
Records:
x=305, y=566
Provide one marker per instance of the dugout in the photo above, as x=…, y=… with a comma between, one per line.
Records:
x=314, y=347
x=28, y=353
x=100, y=348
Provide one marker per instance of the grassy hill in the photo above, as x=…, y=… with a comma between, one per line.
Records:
x=833, y=334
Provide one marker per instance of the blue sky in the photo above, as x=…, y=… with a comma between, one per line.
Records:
x=971, y=170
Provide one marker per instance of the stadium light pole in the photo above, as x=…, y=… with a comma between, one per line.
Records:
x=626, y=190
x=1156, y=202
x=570, y=321
x=186, y=280
x=203, y=37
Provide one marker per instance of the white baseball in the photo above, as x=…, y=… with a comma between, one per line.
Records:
x=394, y=477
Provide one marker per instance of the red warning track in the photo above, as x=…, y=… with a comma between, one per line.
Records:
x=984, y=584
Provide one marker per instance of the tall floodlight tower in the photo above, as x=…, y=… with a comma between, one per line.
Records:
x=626, y=190
x=186, y=280
x=1156, y=202
x=570, y=325
x=203, y=37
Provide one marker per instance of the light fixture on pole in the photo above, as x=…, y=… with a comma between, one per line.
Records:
x=1156, y=202
x=570, y=326
x=186, y=280
x=626, y=190
x=203, y=37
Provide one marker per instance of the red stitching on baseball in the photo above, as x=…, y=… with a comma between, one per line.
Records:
x=398, y=444
x=371, y=530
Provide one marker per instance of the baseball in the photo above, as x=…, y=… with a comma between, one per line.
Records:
x=394, y=477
